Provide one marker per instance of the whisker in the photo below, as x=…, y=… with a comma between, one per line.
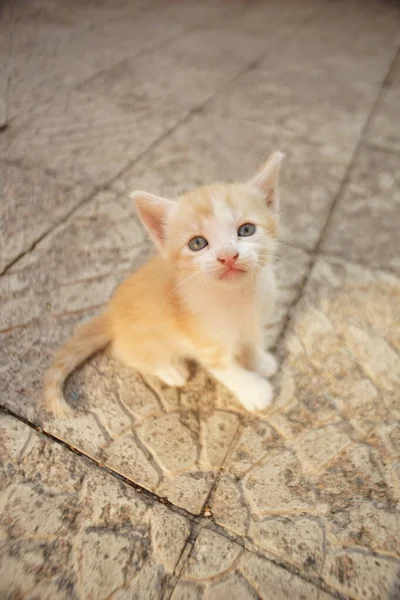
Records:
x=286, y=244
x=181, y=283
x=274, y=256
x=302, y=271
x=260, y=270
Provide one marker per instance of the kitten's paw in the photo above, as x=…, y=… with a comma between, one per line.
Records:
x=257, y=395
x=174, y=376
x=267, y=365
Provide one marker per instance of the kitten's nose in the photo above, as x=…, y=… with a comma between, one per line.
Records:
x=228, y=260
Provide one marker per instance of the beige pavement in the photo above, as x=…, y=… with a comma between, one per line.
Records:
x=147, y=492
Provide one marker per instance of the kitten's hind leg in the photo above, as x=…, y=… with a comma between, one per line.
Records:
x=171, y=371
x=174, y=375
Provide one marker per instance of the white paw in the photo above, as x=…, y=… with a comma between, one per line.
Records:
x=267, y=365
x=257, y=394
x=175, y=376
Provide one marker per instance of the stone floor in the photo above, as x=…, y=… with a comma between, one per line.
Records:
x=148, y=493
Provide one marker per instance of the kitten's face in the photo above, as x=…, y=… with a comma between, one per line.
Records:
x=221, y=234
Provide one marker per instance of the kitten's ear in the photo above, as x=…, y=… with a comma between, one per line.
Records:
x=267, y=180
x=153, y=212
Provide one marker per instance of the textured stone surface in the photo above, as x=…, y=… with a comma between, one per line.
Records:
x=290, y=89
x=67, y=44
x=315, y=475
x=3, y=113
x=219, y=568
x=364, y=225
x=32, y=203
x=68, y=530
x=102, y=98
x=384, y=130
x=85, y=137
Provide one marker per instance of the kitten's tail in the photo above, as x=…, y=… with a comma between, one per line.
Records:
x=88, y=339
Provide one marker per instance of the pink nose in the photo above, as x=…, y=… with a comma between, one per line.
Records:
x=228, y=260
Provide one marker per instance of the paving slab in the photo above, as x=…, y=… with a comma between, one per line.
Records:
x=51, y=47
x=290, y=88
x=384, y=130
x=280, y=95
x=315, y=482
x=31, y=43
x=32, y=202
x=84, y=137
x=69, y=530
x=157, y=79
x=3, y=113
x=218, y=568
x=206, y=149
x=364, y=225
x=359, y=45
x=273, y=20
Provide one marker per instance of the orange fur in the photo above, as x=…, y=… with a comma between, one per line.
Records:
x=184, y=304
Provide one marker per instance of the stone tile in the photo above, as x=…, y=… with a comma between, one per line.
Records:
x=359, y=45
x=67, y=46
x=3, y=113
x=394, y=75
x=157, y=79
x=189, y=13
x=299, y=539
x=218, y=567
x=279, y=95
x=31, y=44
x=363, y=226
x=84, y=137
x=292, y=77
x=218, y=47
x=273, y=20
x=369, y=525
x=363, y=576
x=206, y=148
x=69, y=530
x=317, y=473
x=32, y=203
x=384, y=129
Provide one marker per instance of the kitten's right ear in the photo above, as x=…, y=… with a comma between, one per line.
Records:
x=153, y=211
x=267, y=180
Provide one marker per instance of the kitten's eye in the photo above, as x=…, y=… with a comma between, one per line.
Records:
x=246, y=230
x=197, y=243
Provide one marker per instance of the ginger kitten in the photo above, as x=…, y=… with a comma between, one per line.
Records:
x=206, y=296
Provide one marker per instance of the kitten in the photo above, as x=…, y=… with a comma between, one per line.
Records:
x=206, y=296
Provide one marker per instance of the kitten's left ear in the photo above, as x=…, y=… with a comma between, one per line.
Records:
x=153, y=211
x=267, y=180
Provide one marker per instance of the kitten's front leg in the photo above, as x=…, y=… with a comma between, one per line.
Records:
x=256, y=359
x=252, y=392
x=264, y=363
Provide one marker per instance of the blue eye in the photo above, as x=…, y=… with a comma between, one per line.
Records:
x=246, y=230
x=197, y=243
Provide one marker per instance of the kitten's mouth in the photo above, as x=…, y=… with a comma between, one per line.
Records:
x=232, y=272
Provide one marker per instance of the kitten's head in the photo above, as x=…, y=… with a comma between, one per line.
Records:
x=222, y=234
